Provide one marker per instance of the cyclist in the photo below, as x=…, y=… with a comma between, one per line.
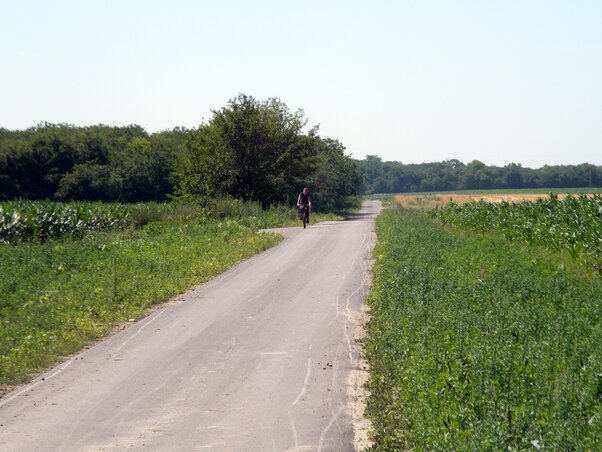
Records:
x=304, y=202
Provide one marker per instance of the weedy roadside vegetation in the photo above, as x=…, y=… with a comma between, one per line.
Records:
x=61, y=288
x=39, y=221
x=479, y=343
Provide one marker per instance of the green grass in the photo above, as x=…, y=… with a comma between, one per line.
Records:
x=477, y=343
x=58, y=295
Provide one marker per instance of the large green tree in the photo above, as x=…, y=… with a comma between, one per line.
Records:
x=249, y=150
x=336, y=178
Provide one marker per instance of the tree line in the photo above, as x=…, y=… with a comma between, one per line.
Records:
x=449, y=175
x=251, y=150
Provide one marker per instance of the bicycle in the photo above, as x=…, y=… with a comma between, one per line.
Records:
x=303, y=214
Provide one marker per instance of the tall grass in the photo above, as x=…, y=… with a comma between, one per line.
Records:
x=252, y=214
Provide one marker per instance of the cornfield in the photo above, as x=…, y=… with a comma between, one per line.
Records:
x=42, y=220
x=573, y=224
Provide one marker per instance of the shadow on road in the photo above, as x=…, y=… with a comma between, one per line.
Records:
x=360, y=216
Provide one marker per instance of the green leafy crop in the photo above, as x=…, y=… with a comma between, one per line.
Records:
x=572, y=224
x=42, y=220
x=478, y=343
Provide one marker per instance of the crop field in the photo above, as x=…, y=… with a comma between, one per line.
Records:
x=431, y=200
x=572, y=224
x=478, y=342
x=42, y=220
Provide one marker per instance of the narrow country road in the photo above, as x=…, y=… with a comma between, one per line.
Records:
x=258, y=359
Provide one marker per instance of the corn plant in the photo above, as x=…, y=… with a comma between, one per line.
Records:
x=572, y=224
x=42, y=220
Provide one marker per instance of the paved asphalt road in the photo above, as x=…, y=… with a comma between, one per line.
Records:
x=257, y=359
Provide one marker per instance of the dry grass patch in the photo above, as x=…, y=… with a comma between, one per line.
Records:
x=429, y=201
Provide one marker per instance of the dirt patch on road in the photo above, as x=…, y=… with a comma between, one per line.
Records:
x=358, y=377
x=360, y=373
x=6, y=389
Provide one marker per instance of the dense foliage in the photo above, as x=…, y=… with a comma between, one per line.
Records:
x=477, y=343
x=249, y=150
x=396, y=177
x=573, y=224
x=97, y=163
x=253, y=150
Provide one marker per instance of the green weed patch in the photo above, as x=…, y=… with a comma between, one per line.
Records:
x=57, y=296
x=477, y=343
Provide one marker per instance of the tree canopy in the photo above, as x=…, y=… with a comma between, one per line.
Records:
x=250, y=150
x=396, y=177
x=61, y=161
x=257, y=150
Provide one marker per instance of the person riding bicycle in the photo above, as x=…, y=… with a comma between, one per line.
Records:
x=304, y=202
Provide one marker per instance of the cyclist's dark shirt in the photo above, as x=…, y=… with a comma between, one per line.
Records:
x=304, y=199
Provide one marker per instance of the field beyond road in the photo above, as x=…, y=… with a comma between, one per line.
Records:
x=431, y=200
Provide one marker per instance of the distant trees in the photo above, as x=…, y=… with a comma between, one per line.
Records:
x=395, y=177
x=249, y=150
x=61, y=161
x=256, y=150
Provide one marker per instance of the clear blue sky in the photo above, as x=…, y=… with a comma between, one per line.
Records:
x=413, y=81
